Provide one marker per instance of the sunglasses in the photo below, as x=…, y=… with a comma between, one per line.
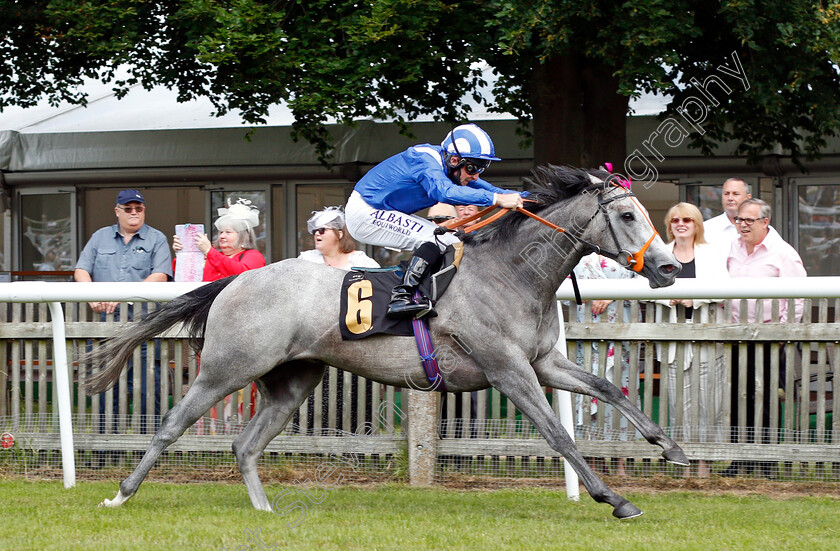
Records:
x=319, y=231
x=684, y=220
x=747, y=221
x=440, y=218
x=138, y=209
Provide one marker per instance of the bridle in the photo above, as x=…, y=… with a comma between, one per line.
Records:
x=634, y=261
x=627, y=259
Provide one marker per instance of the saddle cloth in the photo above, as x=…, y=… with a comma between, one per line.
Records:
x=366, y=293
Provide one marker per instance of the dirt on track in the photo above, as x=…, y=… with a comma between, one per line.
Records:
x=714, y=485
x=719, y=486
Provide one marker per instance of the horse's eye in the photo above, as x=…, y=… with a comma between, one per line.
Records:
x=628, y=216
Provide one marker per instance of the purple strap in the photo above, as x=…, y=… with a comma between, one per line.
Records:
x=427, y=352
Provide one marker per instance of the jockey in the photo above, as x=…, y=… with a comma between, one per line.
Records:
x=380, y=209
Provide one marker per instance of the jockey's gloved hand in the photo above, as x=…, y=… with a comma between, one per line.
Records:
x=440, y=230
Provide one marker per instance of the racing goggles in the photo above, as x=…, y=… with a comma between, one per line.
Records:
x=475, y=166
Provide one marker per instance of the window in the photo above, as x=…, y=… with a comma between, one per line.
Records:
x=706, y=198
x=47, y=223
x=817, y=224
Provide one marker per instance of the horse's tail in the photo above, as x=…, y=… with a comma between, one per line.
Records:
x=190, y=308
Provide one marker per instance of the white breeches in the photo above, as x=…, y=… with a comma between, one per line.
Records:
x=390, y=228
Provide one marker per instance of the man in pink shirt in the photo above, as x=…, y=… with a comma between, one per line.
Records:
x=759, y=251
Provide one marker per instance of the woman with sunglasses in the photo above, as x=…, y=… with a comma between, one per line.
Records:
x=381, y=208
x=333, y=244
x=684, y=228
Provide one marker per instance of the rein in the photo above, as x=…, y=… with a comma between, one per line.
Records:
x=630, y=260
x=451, y=224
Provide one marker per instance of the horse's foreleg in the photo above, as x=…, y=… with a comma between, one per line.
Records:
x=283, y=390
x=519, y=383
x=198, y=399
x=556, y=371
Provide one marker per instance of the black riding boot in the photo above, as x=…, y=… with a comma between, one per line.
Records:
x=401, y=297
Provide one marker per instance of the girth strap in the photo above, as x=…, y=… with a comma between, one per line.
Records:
x=426, y=349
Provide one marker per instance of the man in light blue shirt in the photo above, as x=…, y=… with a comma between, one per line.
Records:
x=127, y=251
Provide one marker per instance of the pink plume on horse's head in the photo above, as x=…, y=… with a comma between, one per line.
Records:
x=627, y=184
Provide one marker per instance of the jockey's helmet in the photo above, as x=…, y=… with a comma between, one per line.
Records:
x=468, y=141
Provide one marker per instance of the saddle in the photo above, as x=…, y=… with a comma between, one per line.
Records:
x=366, y=293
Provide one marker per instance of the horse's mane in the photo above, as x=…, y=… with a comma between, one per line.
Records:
x=549, y=185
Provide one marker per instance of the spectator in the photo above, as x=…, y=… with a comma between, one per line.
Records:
x=233, y=253
x=333, y=244
x=441, y=212
x=758, y=252
x=129, y=250
x=595, y=266
x=379, y=211
x=721, y=230
x=235, y=249
x=465, y=211
x=334, y=247
x=684, y=228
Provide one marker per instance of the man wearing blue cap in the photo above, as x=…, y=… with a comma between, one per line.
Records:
x=126, y=251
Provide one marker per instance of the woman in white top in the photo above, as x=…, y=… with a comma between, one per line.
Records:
x=333, y=244
x=684, y=228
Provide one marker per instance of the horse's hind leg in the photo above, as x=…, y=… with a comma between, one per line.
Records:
x=516, y=379
x=283, y=389
x=201, y=396
x=556, y=371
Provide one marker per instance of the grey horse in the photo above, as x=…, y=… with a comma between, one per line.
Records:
x=278, y=326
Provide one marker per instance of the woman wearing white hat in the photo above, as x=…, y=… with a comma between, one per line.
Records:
x=234, y=252
x=333, y=244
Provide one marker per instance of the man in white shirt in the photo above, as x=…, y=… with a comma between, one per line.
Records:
x=721, y=230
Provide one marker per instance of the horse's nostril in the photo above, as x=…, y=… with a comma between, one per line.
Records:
x=667, y=268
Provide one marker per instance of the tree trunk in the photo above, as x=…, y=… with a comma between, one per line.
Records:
x=556, y=99
x=605, y=113
x=578, y=117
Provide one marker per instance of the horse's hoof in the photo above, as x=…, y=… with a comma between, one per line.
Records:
x=118, y=500
x=627, y=510
x=676, y=456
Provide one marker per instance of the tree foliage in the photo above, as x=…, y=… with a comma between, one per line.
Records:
x=789, y=51
x=567, y=67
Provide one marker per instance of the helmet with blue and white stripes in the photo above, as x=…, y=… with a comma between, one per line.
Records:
x=470, y=142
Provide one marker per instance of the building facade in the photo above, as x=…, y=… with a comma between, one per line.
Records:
x=59, y=182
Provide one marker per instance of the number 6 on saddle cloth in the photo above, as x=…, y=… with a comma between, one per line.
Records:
x=366, y=292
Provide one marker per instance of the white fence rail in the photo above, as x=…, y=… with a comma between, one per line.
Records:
x=821, y=289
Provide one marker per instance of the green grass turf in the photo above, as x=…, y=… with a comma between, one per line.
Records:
x=44, y=515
